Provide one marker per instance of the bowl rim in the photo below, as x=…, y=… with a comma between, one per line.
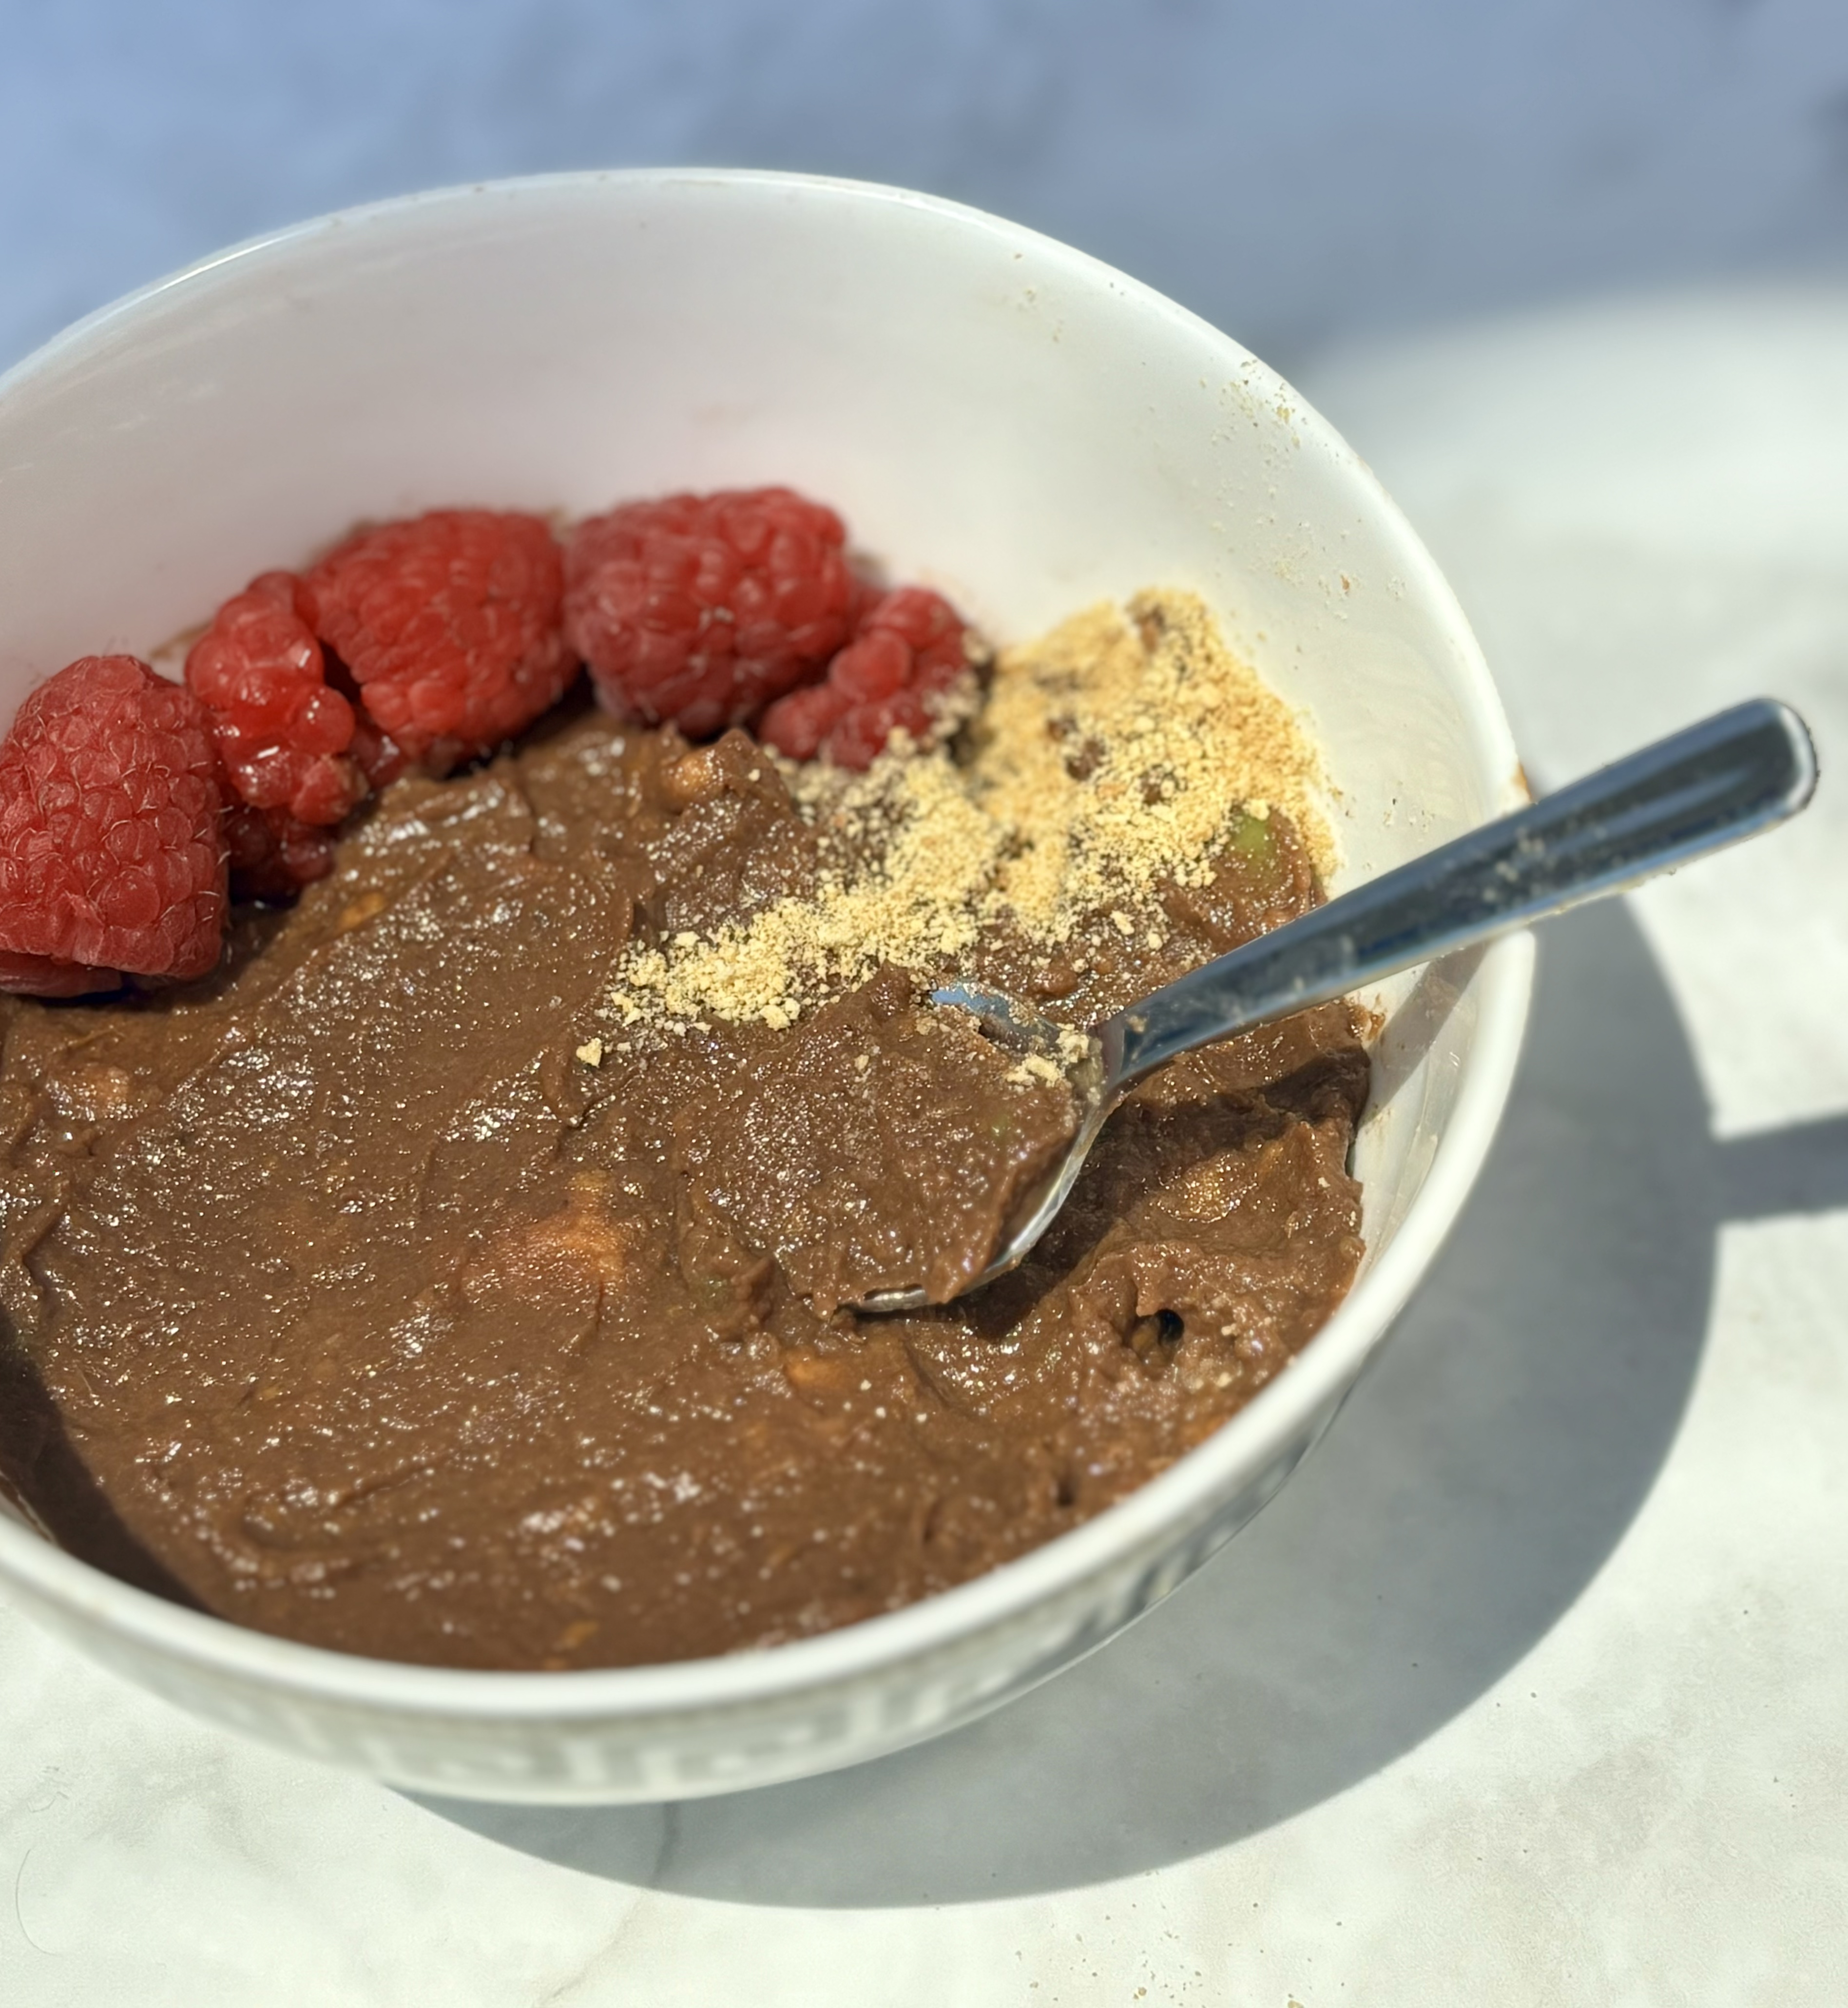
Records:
x=1283, y=1411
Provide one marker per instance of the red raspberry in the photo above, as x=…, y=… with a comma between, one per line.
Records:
x=701, y=609
x=449, y=624
x=909, y=649
x=379, y=757
x=284, y=736
x=45, y=976
x=110, y=853
x=273, y=854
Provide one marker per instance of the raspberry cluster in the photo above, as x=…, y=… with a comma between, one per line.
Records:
x=131, y=807
x=426, y=642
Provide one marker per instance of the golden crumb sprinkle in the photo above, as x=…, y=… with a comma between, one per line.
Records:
x=591, y=1052
x=1110, y=756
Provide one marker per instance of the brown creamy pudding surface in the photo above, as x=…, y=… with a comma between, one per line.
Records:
x=459, y=1274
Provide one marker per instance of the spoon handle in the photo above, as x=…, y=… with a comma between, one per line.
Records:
x=1730, y=777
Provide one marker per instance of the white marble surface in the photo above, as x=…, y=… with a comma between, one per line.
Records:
x=1532, y=1687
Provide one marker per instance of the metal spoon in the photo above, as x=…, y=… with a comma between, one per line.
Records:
x=1734, y=775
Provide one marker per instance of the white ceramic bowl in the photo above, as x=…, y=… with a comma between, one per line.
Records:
x=993, y=413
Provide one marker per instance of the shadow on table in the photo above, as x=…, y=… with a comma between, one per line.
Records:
x=1474, y=1484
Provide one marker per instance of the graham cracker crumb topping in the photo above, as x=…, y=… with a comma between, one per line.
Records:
x=1111, y=757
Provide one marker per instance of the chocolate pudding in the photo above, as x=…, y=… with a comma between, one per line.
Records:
x=463, y=1275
